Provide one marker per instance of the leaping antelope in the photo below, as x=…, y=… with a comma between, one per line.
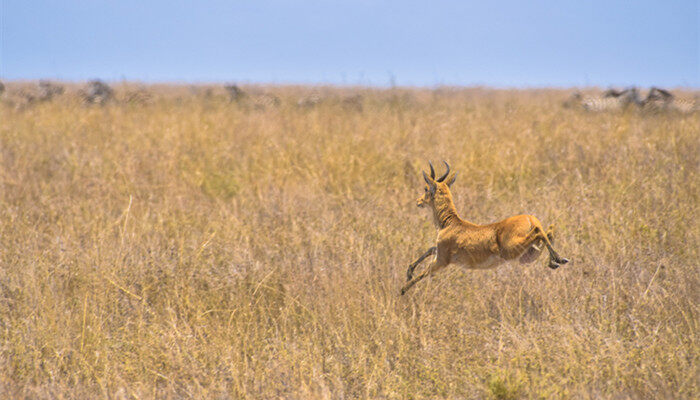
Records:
x=477, y=246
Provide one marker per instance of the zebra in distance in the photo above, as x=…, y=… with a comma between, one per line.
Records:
x=265, y=101
x=310, y=101
x=684, y=106
x=611, y=100
x=348, y=103
x=25, y=96
x=235, y=93
x=252, y=99
x=97, y=92
x=659, y=100
x=139, y=96
x=48, y=90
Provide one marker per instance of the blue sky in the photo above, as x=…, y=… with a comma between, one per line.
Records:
x=427, y=43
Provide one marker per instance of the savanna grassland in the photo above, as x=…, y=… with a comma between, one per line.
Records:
x=182, y=245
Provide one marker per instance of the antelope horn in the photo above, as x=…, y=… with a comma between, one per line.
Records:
x=428, y=180
x=442, y=178
x=432, y=170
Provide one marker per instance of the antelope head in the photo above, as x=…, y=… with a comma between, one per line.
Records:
x=436, y=189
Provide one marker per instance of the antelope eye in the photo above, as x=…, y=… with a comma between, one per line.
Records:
x=425, y=190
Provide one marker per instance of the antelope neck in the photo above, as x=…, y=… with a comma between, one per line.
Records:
x=444, y=211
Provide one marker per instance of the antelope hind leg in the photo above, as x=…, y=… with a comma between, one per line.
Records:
x=533, y=252
x=535, y=249
x=524, y=246
x=532, y=245
x=550, y=235
x=555, y=260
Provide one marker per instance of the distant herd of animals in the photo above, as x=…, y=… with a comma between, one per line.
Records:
x=97, y=92
x=656, y=100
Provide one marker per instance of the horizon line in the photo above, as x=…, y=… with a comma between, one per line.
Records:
x=331, y=84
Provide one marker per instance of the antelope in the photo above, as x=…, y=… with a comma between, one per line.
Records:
x=477, y=246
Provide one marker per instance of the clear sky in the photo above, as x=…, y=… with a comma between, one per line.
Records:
x=432, y=42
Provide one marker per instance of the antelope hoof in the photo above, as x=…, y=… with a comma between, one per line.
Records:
x=563, y=261
x=403, y=290
x=553, y=265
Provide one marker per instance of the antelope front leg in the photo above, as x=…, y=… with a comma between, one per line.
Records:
x=412, y=267
x=435, y=266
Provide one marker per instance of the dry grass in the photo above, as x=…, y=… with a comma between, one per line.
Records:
x=191, y=247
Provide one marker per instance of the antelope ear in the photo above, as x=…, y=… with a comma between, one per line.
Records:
x=451, y=179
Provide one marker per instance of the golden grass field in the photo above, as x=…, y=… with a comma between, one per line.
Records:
x=190, y=247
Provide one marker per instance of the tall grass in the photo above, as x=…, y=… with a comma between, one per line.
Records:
x=193, y=247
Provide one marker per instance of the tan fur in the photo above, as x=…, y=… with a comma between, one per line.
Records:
x=478, y=246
